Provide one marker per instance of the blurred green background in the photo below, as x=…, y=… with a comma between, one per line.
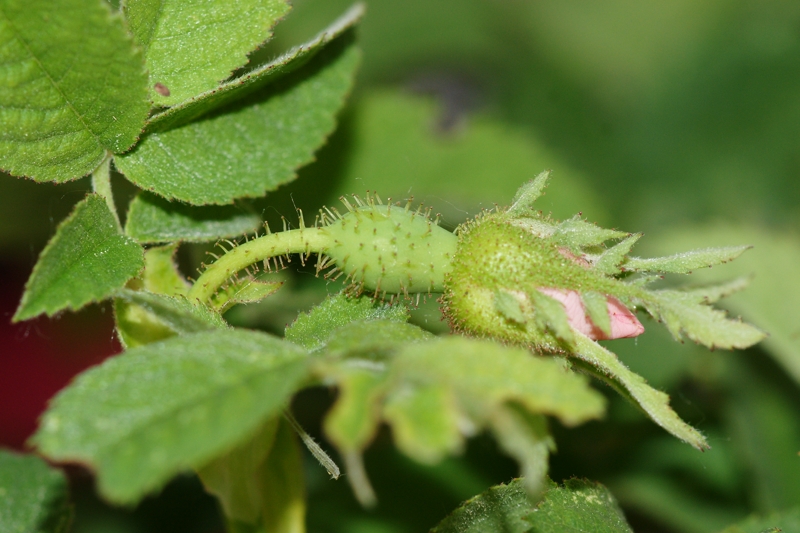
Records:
x=680, y=119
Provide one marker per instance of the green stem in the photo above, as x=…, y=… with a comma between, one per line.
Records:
x=101, y=184
x=303, y=240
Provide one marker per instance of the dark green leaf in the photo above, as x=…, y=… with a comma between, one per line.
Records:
x=253, y=146
x=169, y=406
x=34, y=497
x=191, y=47
x=787, y=521
x=238, y=88
x=500, y=509
x=154, y=219
x=72, y=87
x=86, y=261
x=311, y=330
x=579, y=506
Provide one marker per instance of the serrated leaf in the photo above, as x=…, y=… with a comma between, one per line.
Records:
x=161, y=274
x=685, y=263
x=608, y=262
x=238, y=88
x=500, y=508
x=253, y=146
x=526, y=438
x=169, y=406
x=606, y=366
x=34, y=497
x=681, y=312
x=596, y=305
x=65, y=101
x=192, y=47
x=522, y=204
x=713, y=293
x=485, y=374
x=575, y=233
x=153, y=219
x=311, y=330
x=579, y=506
x=424, y=422
x=85, y=261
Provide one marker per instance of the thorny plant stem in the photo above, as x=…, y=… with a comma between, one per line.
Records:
x=303, y=240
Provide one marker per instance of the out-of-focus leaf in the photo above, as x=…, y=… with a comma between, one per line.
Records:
x=191, y=47
x=686, y=262
x=578, y=506
x=501, y=508
x=153, y=219
x=606, y=366
x=144, y=317
x=787, y=521
x=237, y=88
x=771, y=299
x=669, y=503
x=65, y=101
x=34, y=497
x=311, y=330
x=251, y=146
x=374, y=339
x=86, y=261
x=169, y=406
x=161, y=275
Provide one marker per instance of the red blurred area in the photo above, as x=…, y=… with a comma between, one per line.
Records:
x=39, y=357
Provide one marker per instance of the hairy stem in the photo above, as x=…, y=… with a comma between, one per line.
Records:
x=303, y=240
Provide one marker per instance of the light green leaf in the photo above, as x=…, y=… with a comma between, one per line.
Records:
x=596, y=305
x=234, y=477
x=575, y=233
x=608, y=262
x=508, y=305
x=353, y=420
x=787, y=521
x=713, y=293
x=685, y=263
x=605, y=365
x=175, y=312
x=161, y=275
x=169, y=406
x=501, y=508
x=522, y=204
x=253, y=146
x=526, y=438
x=86, y=261
x=238, y=88
x=72, y=87
x=34, y=497
x=311, y=330
x=579, y=506
x=154, y=219
x=424, y=422
x=682, y=313
x=191, y=47
x=244, y=291
x=484, y=375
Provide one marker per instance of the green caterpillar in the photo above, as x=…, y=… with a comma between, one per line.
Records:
x=512, y=274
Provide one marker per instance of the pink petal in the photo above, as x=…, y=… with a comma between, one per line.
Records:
x=623, y=323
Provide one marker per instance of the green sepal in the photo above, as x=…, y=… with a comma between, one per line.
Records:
x=596, y=305
x=508, y=305
x=609, y=262
x=685, y=263
x=526, y=196
x=551, y=316
x=87, y=260
x=576, y=234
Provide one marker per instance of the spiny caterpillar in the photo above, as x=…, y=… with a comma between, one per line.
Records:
x=512, y=274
